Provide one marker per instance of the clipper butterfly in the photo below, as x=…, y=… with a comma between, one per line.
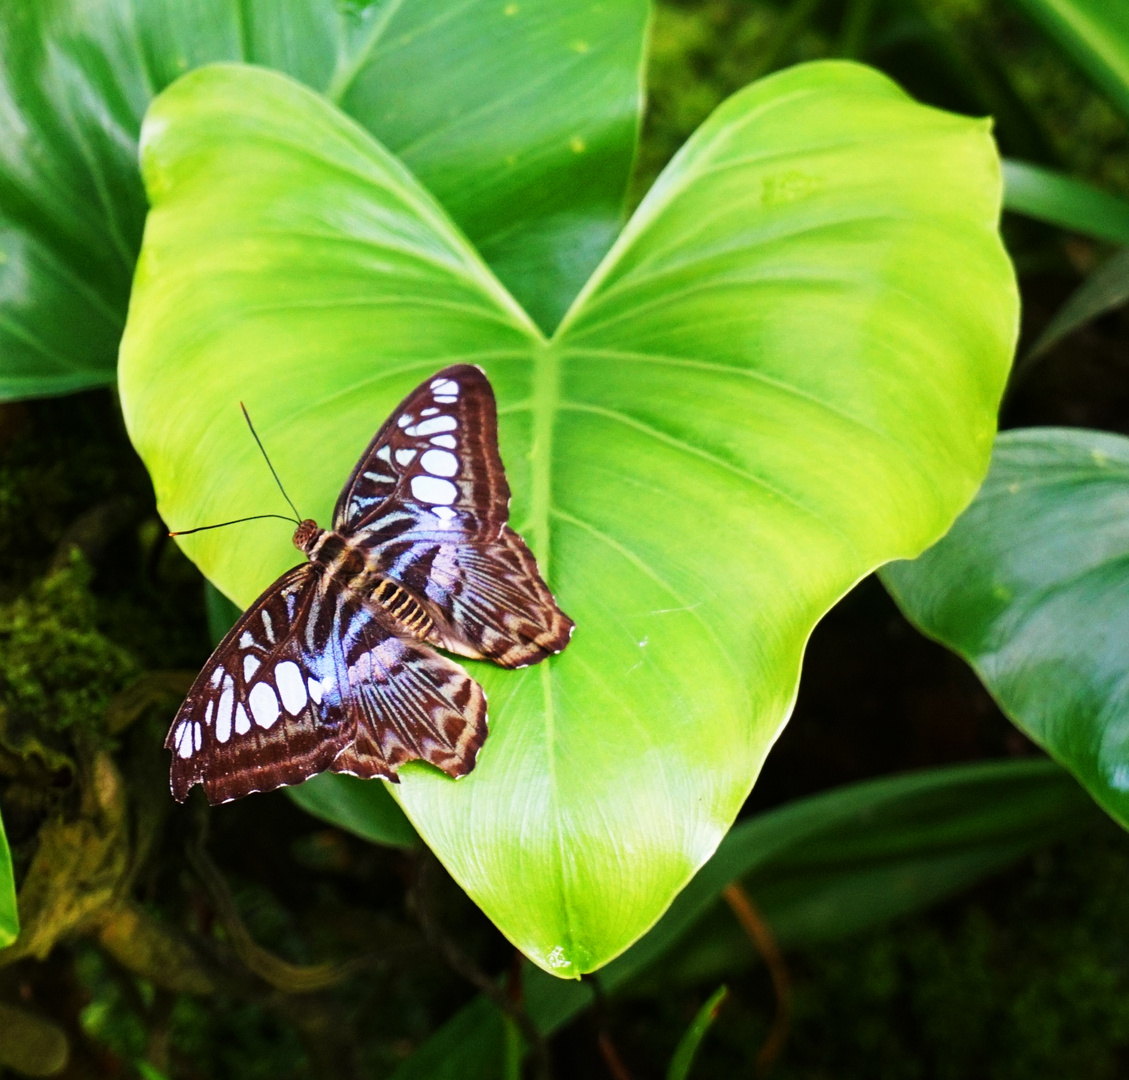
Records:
x=333, y=667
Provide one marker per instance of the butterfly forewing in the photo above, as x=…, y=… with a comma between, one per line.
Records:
x=437, y=454
x=267, y=709
x=429, y=502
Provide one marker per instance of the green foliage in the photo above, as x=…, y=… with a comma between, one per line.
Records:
x=1095, y=33
x=520, y=117
x=792, y=225
x=1065, y=202
x=1029, y=587
x=820, y=868
x=1028, y=980
x=362, y=807
x=687, y=1047
x=9, y=916
x=1106, y=289
x=58, y=669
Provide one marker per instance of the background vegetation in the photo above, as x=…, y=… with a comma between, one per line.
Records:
x=288, y=948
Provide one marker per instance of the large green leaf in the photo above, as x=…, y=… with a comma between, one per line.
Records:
x=1031, y=587
x=1095, y=33
x=9, y=916
x=785, y=373
x=520, y=117
x=821, y=867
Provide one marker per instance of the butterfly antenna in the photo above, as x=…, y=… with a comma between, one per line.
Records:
x=255, y=434
x=220, y=525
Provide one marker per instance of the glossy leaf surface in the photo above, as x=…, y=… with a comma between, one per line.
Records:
x=1031, y=587
x=9, y=916
x=785, y=373
x=520, y=117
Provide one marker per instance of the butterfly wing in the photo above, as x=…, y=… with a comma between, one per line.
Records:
x=409, y=703
x=267, y=709
x=310, y=679
x=429, y=500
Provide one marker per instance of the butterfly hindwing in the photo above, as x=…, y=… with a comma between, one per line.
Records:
x=429, y=501
x=265, y=710
x=410, y=703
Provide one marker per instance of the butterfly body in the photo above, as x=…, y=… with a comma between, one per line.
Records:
x=352, y=565
x=332, y=667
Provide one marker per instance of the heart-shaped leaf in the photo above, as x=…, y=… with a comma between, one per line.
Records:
x=1031, y=587
x=784, y=374
x=521, y=117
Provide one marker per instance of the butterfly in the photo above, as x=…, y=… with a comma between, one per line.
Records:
x=334, y=667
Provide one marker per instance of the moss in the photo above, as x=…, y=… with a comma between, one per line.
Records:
x=58, y=670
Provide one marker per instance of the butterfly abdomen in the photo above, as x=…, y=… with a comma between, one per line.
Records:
x=404, y=607
x=335, y=555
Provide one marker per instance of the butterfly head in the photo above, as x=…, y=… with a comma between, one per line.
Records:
x=306, y=535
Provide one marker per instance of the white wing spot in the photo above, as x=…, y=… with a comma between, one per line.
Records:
x=385, y=453
x=291, y=686
x=197, y=735
x=429, y=412
x=431, y=489
x=377, y=477
x=435, y=424
x=216, y=676
x=315, y=690
x=268, y=626
x=440, y=462
x=227, y=702
x=445, y=399
x=405, y=457
x=183, y=745
x=264, y=704
x=445, y=386
x=242, y=720
x=209, y=712
x=250, y=666
x=445, y=515
x=444, y=440
x=405, y=420
x=223, y=727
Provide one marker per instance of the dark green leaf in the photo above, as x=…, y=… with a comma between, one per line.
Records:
x=220, y=611
x=1095, y=33
x=1031, y=587
x=1104, y=290
x=362, y=807
x=9, y=915
x=688, y=1045
x=1062, y=200
x=520, y=117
